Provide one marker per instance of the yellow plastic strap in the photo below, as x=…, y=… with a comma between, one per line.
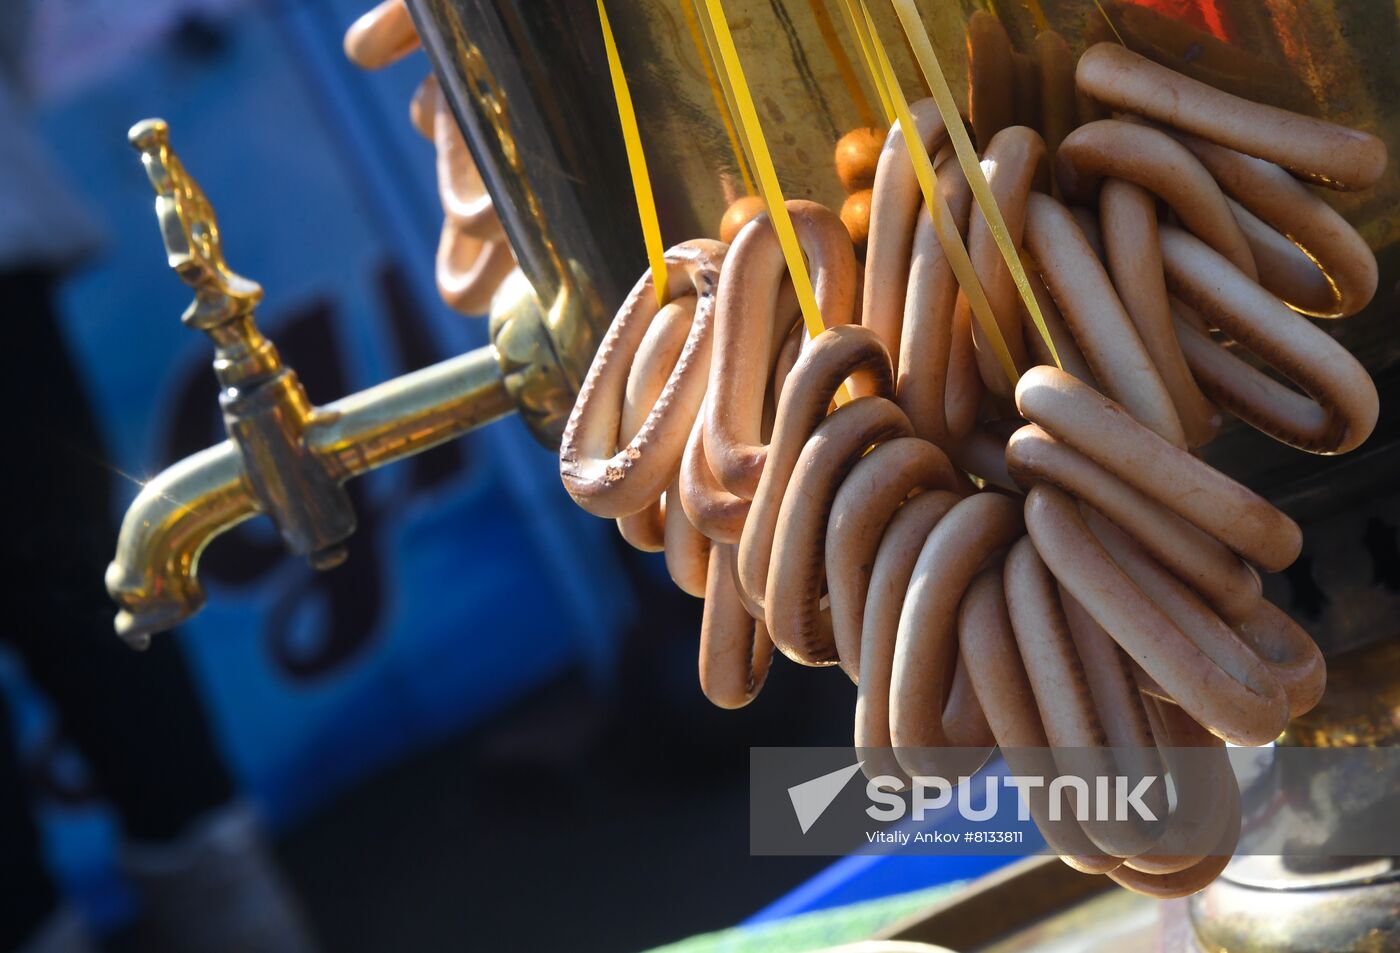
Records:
x=1110, y=23
x=967, y=158
x=637, y=162
x=719, y=87
x=937, y=205
x=767, y=175
x=857, y=24
x=727, y=85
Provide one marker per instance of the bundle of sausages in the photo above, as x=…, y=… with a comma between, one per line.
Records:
x=1043, y=564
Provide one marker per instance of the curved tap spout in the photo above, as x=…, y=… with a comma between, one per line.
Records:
x=153, y=576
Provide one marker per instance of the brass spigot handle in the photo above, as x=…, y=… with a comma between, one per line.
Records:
x=266, y=410
x=285, y=457
x=192, y=243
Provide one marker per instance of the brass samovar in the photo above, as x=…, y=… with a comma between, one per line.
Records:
x=528, y=83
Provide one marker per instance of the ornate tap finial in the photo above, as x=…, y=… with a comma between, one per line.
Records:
x=191, y=233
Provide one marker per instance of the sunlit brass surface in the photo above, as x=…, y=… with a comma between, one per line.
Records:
x=284, y=456
x=528, y=81
x=1361, y=706
x=154, y=574
x=529, y=84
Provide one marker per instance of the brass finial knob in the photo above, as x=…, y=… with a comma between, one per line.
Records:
x=224, y=301
x=191, y=233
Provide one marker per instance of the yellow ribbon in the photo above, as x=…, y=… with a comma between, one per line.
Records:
x=1038, y=16
x=1110, y=23
x=637, y=163
x=856, y=23
x=932, y=70
x=943, y=224
x=767, y=175
x=719, y=88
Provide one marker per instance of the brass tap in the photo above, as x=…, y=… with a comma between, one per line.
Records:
x=284, y=456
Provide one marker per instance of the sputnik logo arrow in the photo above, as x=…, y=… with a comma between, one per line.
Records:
x=810, y=799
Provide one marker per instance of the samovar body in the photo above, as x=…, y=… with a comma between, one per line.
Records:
x=530, y=85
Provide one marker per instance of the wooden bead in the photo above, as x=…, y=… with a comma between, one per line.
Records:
x=855, y=215
x=739, y=214
x=857, y=154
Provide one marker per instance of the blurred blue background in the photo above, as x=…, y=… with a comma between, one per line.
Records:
x=467, y=586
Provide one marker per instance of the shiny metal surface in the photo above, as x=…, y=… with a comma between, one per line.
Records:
x=529, y=83
x=284, y=456
x=265, y=408
x=527, y=80
x=154, y=575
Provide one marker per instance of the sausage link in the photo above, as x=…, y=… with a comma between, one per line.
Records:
x=1309, y=148
x=746, y=314
x=611, y=480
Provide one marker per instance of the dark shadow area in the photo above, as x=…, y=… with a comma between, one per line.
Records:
x=570, y=821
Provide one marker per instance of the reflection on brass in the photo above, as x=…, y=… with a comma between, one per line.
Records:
x=529, y=86
x=542, y=66
x=1361, y=707
x=284, y=456
x=1315, y=903
x=1311, y=916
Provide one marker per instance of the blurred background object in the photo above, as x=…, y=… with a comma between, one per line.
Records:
x=197, y=856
